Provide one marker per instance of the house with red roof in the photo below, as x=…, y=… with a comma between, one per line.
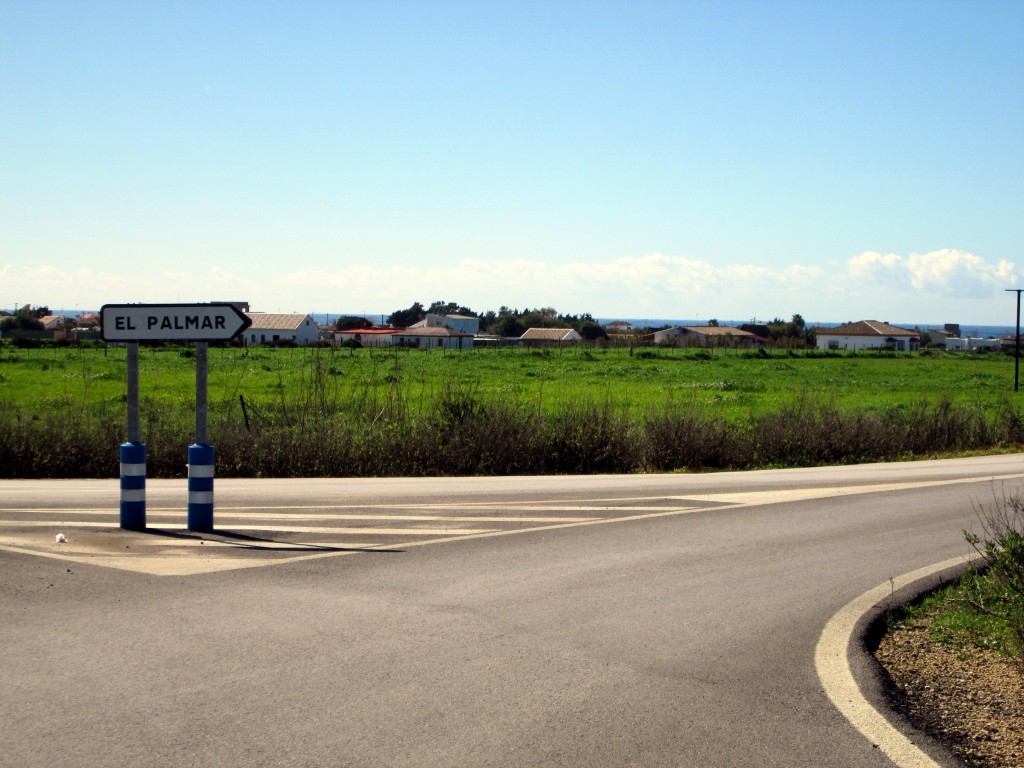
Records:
x=367, y=337
x=433, y=337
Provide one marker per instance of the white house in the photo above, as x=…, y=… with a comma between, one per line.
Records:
x=52, y=322
x=869, y=334
x=551, y=336
x=269, y=328
x=367, y=337
x=464, y=323
x=618, y=326
x=973, y=345
x=433, y=337
x=706, y=336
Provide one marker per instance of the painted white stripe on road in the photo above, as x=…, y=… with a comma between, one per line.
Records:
x=221, y=513
x=278, y=528
x=163, y=565
x=748, y=498
x=830, y=659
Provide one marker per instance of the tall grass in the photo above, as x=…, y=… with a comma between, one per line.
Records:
x=995, y=591
x=326, y=412
x=316, y=432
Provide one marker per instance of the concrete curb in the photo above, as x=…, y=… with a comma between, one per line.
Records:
x=855, y=682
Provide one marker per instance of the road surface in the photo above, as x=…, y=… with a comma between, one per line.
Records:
x=663, y=620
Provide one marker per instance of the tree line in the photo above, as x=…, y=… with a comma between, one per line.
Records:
x=505, y=321
x=512, y=322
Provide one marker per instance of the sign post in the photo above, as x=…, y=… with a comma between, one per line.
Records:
x=133, y=454
x=172, y=322
x=1016, y=342
x=200, y=455
x=200, y=323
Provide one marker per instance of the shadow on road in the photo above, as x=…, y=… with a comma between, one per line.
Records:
x=246, y=541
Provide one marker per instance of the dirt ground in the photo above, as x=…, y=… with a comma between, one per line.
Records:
x=970, y=699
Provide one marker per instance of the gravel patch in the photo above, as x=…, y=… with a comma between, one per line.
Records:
x=970, y=699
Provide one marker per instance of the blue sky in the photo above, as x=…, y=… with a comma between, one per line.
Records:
x=646, y=159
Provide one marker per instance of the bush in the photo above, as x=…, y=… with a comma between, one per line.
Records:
x=321, y=429
x=997, y=588
x=680, y=439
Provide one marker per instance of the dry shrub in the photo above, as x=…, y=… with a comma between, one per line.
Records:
x=680, y=439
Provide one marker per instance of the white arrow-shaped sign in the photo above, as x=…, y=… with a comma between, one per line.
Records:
x=172, y=322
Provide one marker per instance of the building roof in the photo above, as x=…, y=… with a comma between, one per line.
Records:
x=433, y=330
x=433, y=319
x=718, y=330
x=264, y=321
x=871, y=328
x=369, y=331
x=50, y=322
x=547, y=334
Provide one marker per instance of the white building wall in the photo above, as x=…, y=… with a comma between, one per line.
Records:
x=366, y=339
x=970, y=345
x=432, y=342
x=669, y=334
x=456, y=323
x=831, y=341
x=307, y=333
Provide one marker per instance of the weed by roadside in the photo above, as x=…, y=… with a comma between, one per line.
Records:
x=956, y=658
x=995, y=592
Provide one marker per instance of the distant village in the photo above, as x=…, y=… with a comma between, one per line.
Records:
x=448, y=326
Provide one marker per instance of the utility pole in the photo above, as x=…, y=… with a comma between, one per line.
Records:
x=1016, y=348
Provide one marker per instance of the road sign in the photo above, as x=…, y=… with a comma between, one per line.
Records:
x=172, y=322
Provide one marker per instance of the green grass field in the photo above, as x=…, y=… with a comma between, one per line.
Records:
x=310, y=412
x=729, y=381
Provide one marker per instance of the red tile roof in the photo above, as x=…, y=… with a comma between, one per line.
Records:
x=867, y=328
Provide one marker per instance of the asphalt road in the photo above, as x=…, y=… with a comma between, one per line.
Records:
x=550, y=621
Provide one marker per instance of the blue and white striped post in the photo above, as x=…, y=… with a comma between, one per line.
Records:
x=200, y=487
x=133, y=454
x=200, y=455
x=133, y=486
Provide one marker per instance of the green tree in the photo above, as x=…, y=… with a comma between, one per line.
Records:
x=487, y=319
x=23, y=321
x=403, y=318
x=795, y=333
x=351, y=322
x=450, y=308
x=508, y=325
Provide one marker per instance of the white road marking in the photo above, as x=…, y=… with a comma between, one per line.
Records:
x=221, y=513
x=150, y=562
x=276, y=528
x=802, y=494
x=832, y=663
x=182, y=565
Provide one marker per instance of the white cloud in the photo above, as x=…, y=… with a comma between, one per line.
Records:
x=874, y=268
x=958, y=274
x=939, y=286
x=945, y=273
